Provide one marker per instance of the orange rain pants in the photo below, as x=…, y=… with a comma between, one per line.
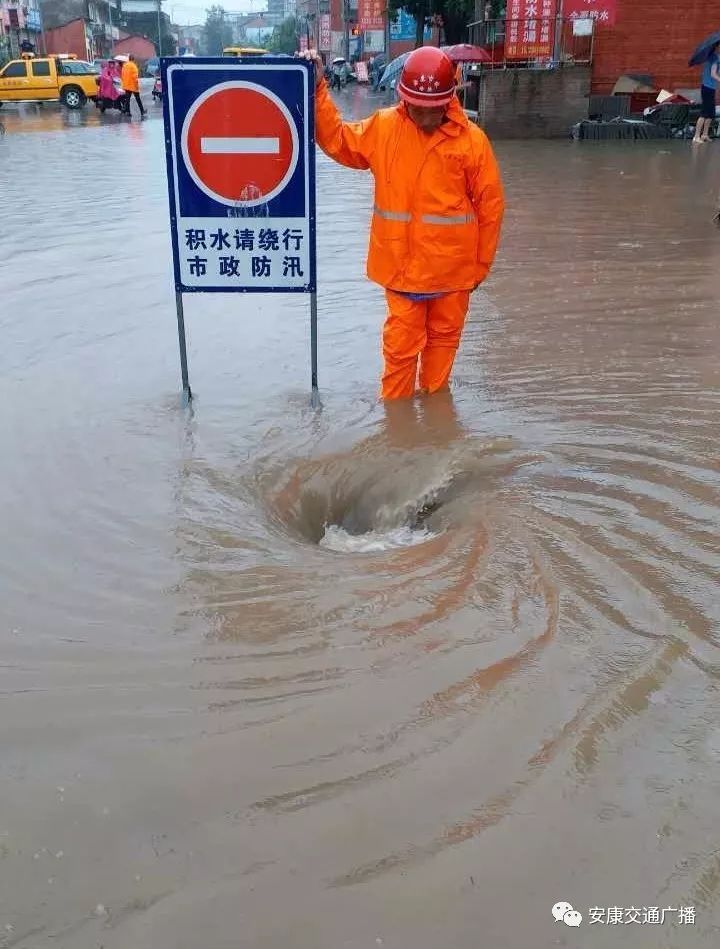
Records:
x=427, y=328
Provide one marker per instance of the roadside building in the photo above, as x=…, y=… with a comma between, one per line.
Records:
x=20, y=28
x=133, y=45
x=87, y=28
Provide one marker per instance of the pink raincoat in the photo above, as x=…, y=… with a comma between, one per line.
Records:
x=109, y=82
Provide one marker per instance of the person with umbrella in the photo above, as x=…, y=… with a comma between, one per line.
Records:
x=708, y=92
x=436, y=221
x=337, y=80
x=378, y=66
x=708, y=55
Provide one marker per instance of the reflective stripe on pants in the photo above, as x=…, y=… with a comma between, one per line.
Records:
x=430, y=329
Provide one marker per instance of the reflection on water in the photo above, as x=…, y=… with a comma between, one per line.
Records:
x=402, y=675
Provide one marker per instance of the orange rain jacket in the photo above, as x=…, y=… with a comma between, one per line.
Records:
x=129, y=77
x=438, y=198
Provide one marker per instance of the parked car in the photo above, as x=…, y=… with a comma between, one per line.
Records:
x=63, y=77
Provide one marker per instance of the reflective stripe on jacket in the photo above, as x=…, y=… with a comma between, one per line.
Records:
x=438, y=198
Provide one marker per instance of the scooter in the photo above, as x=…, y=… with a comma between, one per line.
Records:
x=157, y=92
x=103, y=103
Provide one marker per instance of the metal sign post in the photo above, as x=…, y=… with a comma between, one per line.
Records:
x=315, y=397
x=239, y=137
x=183, y=345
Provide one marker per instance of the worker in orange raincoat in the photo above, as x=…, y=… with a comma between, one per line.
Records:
x=437, y=215
x=130, y=81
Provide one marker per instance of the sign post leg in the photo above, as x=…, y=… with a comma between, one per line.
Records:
x=315, y=397
x=183, y=347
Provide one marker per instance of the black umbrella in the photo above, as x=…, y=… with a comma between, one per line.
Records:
x=702, y=53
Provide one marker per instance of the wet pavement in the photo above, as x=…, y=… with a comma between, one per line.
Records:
x=361, y=678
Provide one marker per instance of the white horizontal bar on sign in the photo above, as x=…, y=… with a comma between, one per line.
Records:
x=216, y=145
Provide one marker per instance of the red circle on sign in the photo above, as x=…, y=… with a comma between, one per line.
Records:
x=239, y=143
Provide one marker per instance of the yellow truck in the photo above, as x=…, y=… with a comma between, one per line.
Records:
x=241, y=51
x=63, y=77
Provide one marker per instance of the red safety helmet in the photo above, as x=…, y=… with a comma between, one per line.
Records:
x=427, y=78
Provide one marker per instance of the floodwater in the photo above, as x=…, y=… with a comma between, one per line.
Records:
x=274, y=678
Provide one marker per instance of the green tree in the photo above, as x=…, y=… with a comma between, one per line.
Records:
x=456, y=15
x=146, y=24
x=169, y=46
x=284, y=37
x=217, y=33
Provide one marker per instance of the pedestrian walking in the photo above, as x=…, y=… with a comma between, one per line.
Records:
x=130, y=80
x=437, y=216
x=338, y=74
x=708, y=92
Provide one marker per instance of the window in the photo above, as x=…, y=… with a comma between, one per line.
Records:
x=40, y=69
x=75, y=67
x=15, y=71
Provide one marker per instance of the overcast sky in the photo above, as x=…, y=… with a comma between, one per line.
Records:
x=189, y=12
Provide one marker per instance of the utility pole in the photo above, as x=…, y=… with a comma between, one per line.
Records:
x=557, y=52
x=346, y=30
x=159, y=50
x=110, y=23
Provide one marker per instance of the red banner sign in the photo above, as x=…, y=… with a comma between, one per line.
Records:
x=602, y=11
x=530, y=29
x=371, y=14
x=325, y=32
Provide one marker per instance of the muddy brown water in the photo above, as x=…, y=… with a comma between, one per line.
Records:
x=271, y=678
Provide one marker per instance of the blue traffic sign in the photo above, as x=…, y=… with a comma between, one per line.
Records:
x=239, y=138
